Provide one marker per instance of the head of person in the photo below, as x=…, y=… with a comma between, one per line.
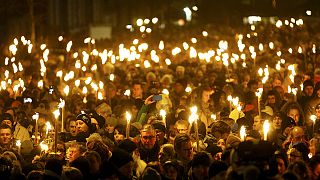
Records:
x=257, y=123
x=166, y=153
x=171, y=169
x=74, y=151
x=182, y=126
x=294, y=112
x=110, y=124
x=71, y=173
x=94, y=160
x=281, y=161
x=183, y=147
x=104, y=110
x=317, y=109
x=123, y=162
x=5, y=135
x=53, y=165
x=180, y=86
x=200, y=165
x=308, y=87
x=180, y=71
x=137, y=90
x=7, y=119
x=148, y=136
x=160, y=130
x=12, y=112
x=277, y=121
x=271, y=98
x=83, y=123
x=119, y=133
x=276, y=82
x=297, y=135
x=72, y=125
x=220, y=130
x=315, y=166
x=206, y=93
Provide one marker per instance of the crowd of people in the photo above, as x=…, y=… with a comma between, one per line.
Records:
x=96, y=140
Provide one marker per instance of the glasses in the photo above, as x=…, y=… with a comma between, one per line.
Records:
x=148, y=137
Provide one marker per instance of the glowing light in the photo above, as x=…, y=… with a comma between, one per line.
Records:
x=188, y=89
x=111, y=77
x=128, y=116
x=271, y=45
x=84, y=90
x=66, y=90
x=185, y=46
x=69, y=45
x=165, y=91
x=94, y=67
x=188, y=13
x=195, y=8
x=40, y=84
x=313, y=118
x=146, y=21
x=243, y=133
x=278, y=23
x=77, y=83
x=127, y=92
x=205, y=33
x=139, y=22
x=155, y=20
x=168, y=61
x=266, y=128
x=308, y=12
x=161, y=45
x=146, y=64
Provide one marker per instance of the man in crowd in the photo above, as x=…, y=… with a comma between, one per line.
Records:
x=148, y=145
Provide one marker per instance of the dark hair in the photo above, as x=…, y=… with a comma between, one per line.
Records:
x=121, y=128
x=217, y=167
x=181, y=138
x=220, y=127
x=54, y=165
x=201, y=158
x=5, y=126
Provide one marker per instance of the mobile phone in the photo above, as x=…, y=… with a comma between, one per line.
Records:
x=27, y=100
x=157, y=98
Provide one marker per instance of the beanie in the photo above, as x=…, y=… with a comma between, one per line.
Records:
x=84, y=118
x=120, y=157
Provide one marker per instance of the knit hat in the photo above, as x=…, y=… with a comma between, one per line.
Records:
x=127, y=145
x=100, y=119
x=120, y=157
x=85, y=118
